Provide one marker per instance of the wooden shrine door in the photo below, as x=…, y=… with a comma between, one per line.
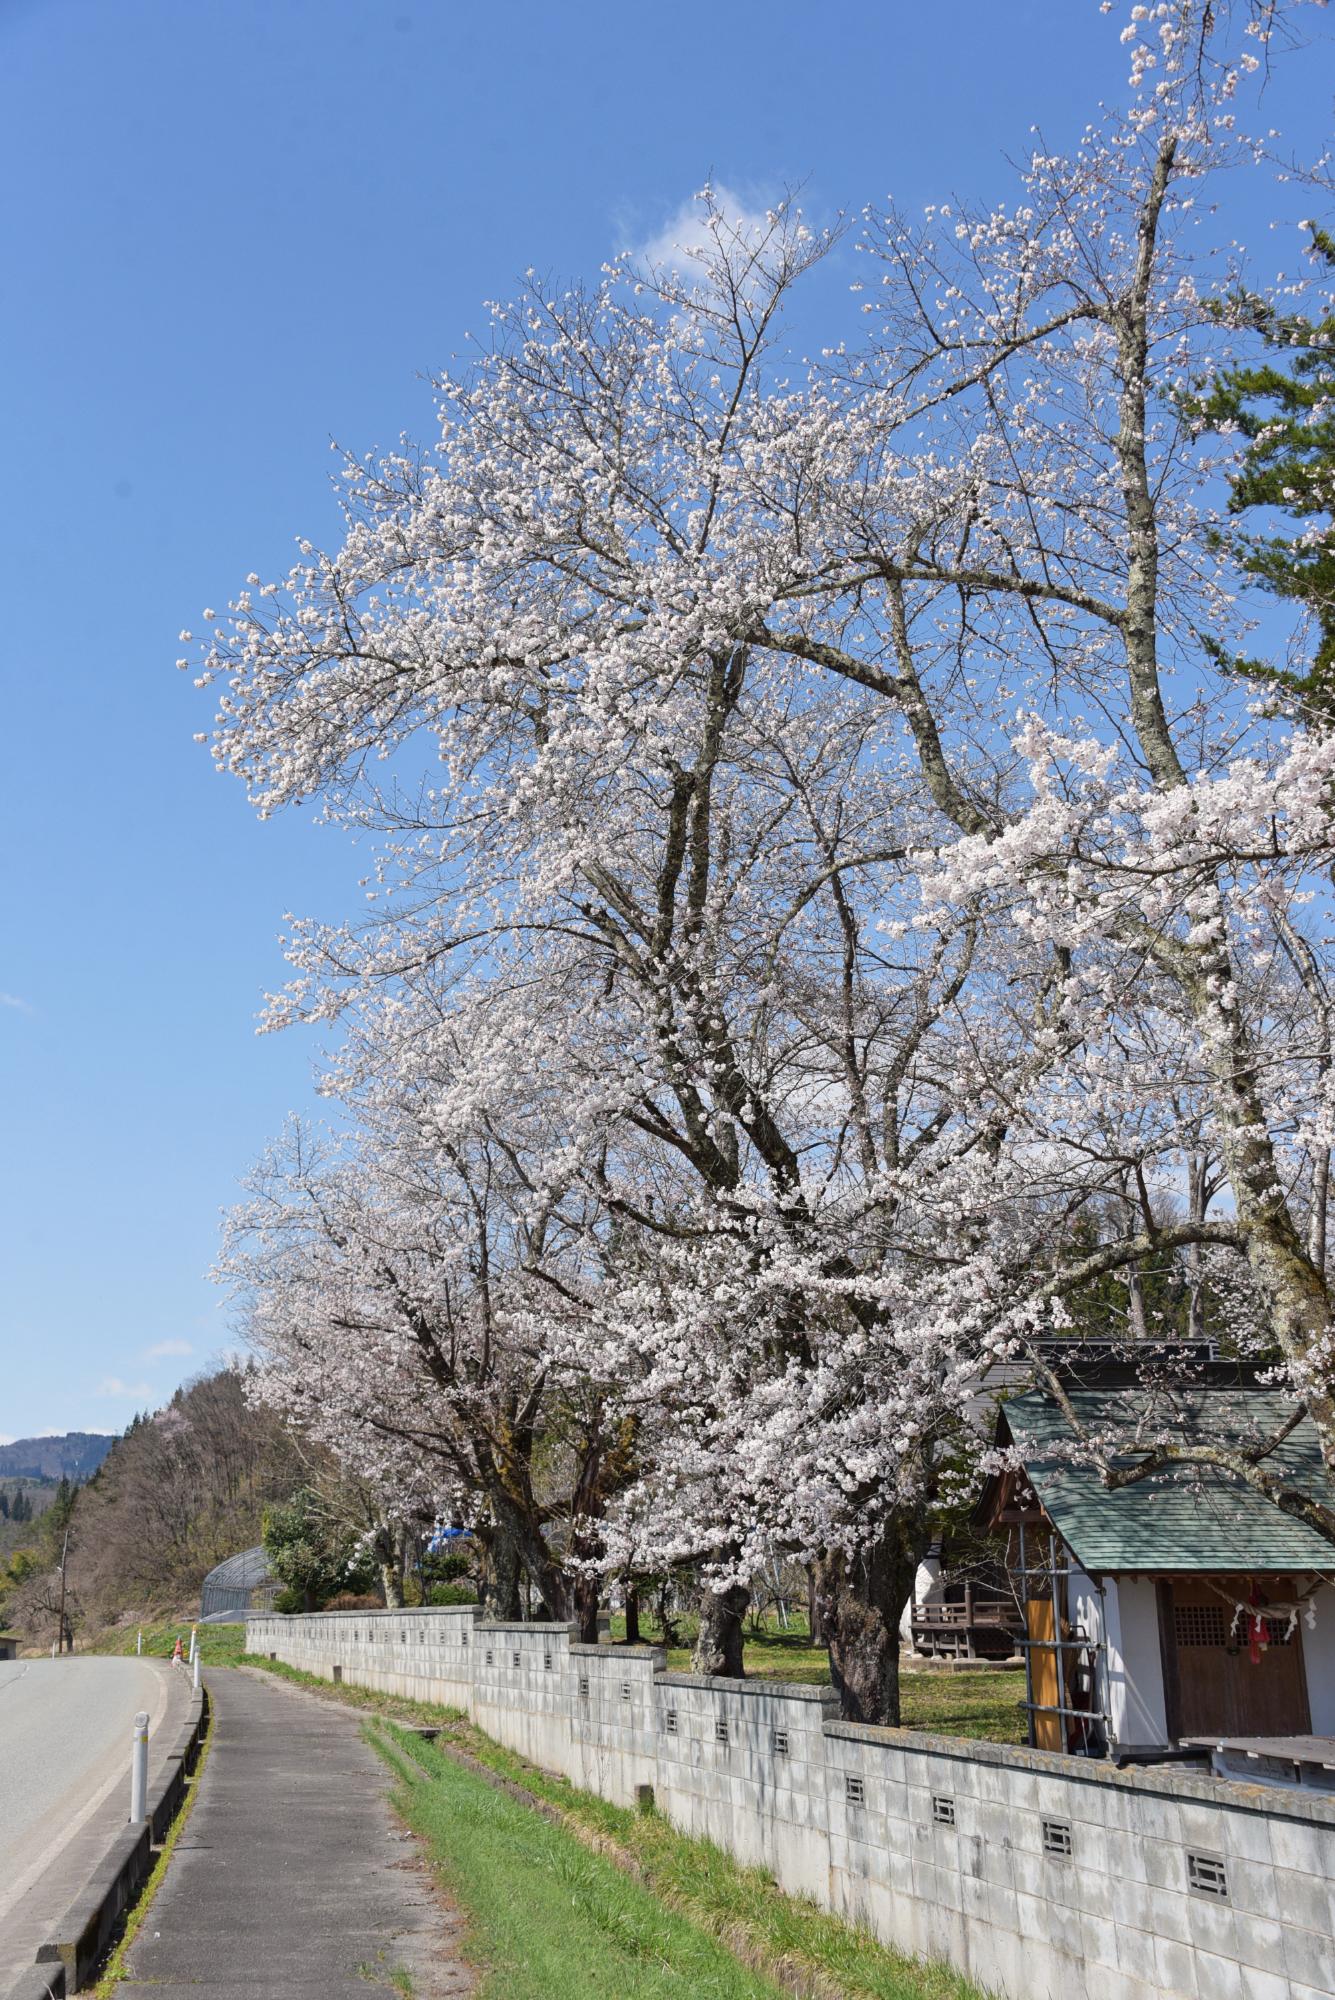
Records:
x=1220, y=1692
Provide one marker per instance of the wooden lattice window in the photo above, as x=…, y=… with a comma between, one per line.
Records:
x=1215, y=1625
x=1200, y=1624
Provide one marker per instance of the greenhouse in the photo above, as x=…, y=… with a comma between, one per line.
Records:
x=242, y=1583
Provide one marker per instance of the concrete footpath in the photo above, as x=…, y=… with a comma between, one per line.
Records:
x=292, y=1878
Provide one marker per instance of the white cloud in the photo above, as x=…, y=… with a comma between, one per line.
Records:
x=687, y=230
x=137, y=1392
x=161, y=1348
x=19, y=1006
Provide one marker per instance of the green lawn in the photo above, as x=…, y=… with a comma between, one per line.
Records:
x=556, y=1919
x=977, y=1701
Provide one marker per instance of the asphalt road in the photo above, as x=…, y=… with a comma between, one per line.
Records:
x=64, y=1749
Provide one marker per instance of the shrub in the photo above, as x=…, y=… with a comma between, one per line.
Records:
x=452, y=1593
x=355, y=1600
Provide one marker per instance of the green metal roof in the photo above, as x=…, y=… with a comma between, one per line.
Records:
x=1193, y=1518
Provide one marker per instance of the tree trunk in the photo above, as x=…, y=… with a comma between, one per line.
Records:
x=632, y=1617
x=859, y=1603
x=1137, y=1324
x=1197, y=1167
x=814, y=1633
x=500, y=1581
x=718, y=1643
x=389, y=1560
x=586, y=1610
x=667, y=1623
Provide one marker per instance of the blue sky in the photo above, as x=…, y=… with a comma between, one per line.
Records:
x=231, y=231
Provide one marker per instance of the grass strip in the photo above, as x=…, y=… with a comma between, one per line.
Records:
x=117, y=1968
x=549, y=1919
x=802, y=1947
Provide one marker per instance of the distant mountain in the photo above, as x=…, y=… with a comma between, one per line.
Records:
x=76, y=1455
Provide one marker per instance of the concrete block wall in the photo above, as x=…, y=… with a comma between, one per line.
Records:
x=613, y=1733
x=426, y=1656
x=1039, y=1876
x=521, y=1690
x=743, y=1763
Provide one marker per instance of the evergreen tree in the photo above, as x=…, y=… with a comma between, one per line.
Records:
x=1285, y=408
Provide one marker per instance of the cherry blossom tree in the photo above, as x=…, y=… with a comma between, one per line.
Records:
x=383, y=1281
x=838, y=794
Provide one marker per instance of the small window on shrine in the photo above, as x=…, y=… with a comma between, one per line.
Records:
x=1200, y=1624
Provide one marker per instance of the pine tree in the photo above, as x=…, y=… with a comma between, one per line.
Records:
x=1285, y=408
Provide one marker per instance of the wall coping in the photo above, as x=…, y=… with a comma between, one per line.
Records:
x=1276, y=1801
x=546, y=1626
x=404, y=1611
x=616, y=1649
x=755, y=1684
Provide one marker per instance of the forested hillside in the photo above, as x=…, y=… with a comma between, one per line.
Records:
x=180, y=1490
x=73, y=1455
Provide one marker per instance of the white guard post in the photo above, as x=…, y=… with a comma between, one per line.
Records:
x=139, y=1769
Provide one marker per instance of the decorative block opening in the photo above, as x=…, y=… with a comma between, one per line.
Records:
x=670, y=1721
x=720, y=1731
x=546, y=1663
x=943, y=1809
x=779, y=1742
x=584, y=1687
x=514, y=1659
x=1057, y=1838
x=1206, y=1875
x=855, y=1790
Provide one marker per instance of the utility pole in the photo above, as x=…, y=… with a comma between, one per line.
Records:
x=64, y=1552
